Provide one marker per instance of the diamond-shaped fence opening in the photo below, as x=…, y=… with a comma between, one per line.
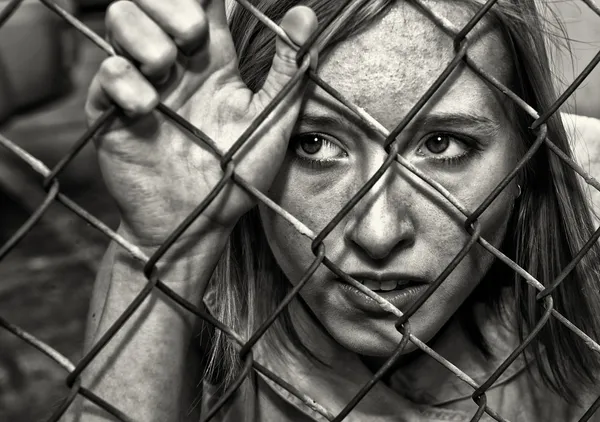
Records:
x=539, y=120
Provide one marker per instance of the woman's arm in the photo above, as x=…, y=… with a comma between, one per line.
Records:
x=183, y=56
x=148, y=370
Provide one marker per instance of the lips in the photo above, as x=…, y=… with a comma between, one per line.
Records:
x=387, y=285
x=400, y=290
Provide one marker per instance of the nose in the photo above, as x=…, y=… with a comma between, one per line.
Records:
x=381, y=222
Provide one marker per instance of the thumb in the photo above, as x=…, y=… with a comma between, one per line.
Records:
x=299, y=23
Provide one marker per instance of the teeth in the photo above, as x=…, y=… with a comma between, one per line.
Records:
x=388, y=285
x=373, y=285
x=385, y=286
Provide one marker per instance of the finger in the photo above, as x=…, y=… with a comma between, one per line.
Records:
x=215, y=11
x=119, y=82
x=184, y=20
x=299, y=23
x=139, y=38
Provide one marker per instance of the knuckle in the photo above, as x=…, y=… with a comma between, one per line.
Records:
x=288, y=58
x=194, y=31
x=162, y=58
x=151, y=103
x=145, y=100
x=285, y=65
x=139, y=108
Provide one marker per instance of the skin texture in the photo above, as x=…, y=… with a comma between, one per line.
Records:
x=157, y=175
x=401, y=225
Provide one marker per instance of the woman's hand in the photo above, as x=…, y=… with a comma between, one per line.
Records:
x=155, y=171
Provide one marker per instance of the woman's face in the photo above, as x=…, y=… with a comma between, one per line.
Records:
x=401, y=235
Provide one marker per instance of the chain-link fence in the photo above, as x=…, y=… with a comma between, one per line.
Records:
x=471, y=220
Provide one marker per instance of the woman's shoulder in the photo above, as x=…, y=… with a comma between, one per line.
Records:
x=253, y=397
x=240, y=404
x=534, y=401
x=584, y=136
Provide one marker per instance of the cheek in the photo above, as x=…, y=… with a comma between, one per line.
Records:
x=314, y=202
x=439, y=236
x=474, y=184
x=441, y=229
x=493, y=221
x=487, y=176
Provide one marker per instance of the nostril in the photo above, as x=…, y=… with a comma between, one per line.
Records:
x=383, y=250
x=381, y=240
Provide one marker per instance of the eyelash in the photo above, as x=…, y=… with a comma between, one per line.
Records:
x=456, y=160
x=311, y=162
x=471, y=149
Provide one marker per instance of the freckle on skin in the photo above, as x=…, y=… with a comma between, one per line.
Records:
x=398, y=73
x=385, y=70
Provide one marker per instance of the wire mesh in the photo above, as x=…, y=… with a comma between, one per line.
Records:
x=471, y=223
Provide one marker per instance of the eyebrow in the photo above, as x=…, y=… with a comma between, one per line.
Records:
x=326, y=120
x=471, y=122
x=475, y=123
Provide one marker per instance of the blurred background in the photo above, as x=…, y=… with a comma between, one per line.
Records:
x=45, y=282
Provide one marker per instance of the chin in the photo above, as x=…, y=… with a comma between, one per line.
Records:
x=381, y=341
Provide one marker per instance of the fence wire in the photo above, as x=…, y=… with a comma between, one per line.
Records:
x=471, y=224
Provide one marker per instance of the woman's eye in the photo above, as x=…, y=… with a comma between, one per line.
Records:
x=316, y=147
x=443, y=146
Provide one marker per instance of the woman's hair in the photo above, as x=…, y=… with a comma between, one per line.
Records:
x=550, y=223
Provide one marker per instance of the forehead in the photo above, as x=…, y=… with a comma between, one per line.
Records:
x=387, y=67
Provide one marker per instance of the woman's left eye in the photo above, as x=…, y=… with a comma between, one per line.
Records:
x=443, y=147
x=316, y=148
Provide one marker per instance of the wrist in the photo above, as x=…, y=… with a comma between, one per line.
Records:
x=189, y=244
x=150, y=232
x=186, y=265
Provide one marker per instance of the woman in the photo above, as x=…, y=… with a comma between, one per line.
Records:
x=311, y=157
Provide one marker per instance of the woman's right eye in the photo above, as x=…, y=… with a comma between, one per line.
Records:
x=316, y=148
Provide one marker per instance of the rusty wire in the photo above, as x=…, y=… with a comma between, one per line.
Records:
x=461, y=43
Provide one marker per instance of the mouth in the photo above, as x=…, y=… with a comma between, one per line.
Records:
x=399, y=290
x=388, y=285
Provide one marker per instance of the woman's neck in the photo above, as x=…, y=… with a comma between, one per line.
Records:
x=417, y=369
x=418, y=378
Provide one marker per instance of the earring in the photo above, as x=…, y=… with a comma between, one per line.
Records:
x=520, y=191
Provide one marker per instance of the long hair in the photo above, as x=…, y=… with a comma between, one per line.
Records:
x=549, y=225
